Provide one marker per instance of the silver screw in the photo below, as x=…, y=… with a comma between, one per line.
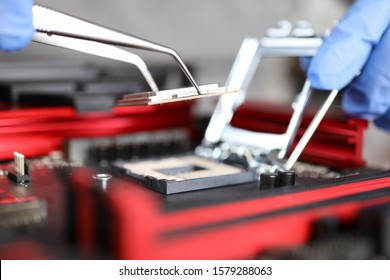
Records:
x=102, y=178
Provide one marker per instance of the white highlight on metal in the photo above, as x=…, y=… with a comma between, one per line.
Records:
x=282, y=29
x=240, y=77
x=310, y=130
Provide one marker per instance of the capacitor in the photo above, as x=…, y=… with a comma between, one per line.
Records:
x=286, y=178
x=269, y=181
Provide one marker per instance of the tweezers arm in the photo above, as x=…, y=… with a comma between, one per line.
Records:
x=98, y=49
x=56, y=23
x=53, y=22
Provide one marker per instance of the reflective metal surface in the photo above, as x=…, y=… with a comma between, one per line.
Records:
x=52, y=23
x=264, y=151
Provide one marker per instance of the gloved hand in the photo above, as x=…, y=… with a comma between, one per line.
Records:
x=360, y=42
x=16, y=24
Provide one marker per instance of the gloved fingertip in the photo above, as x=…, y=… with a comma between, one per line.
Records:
x=384, y=121
x=304, y=63
x=382, y=124
x=323, y=81
x=16, y=42
x=16, y=24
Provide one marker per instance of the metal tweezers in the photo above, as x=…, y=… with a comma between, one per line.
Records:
x=61, y=30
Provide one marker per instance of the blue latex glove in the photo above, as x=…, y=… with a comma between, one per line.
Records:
x=16, y=24
x=361, y=42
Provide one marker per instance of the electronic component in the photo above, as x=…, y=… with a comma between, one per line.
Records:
x=19, y=209
x=174, y=95
x=22, y=212
x=271, y=180
x=185, y=173
x=21, y=173
x=134, y=146
x=286, y=178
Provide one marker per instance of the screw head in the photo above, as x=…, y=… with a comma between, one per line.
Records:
x=102, y=180
x=102, y=177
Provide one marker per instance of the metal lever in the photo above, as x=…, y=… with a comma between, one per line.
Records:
x=55, y=23
x=310, y=130
x=221, y=138
x=268, y=142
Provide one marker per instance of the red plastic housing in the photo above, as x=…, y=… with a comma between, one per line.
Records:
x=338, y=141
x=38, y=131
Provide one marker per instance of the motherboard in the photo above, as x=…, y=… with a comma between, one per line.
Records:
x=77, y=186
